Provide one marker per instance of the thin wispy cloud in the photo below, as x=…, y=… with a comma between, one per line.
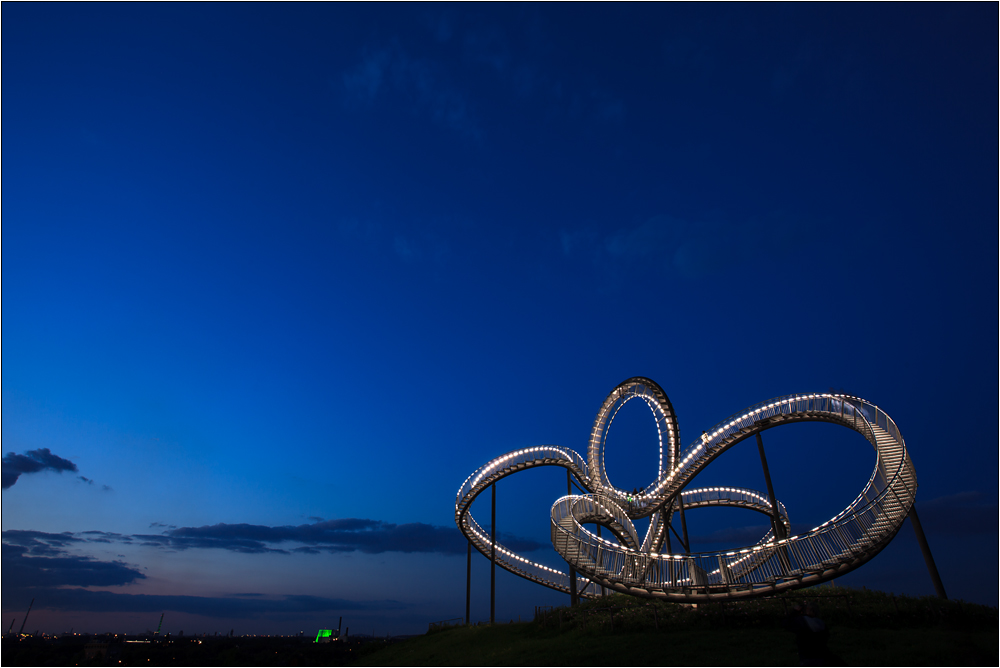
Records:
x=488, y=45
x=330, y=536
x=688, y=249
x=404, y=248
x=514, y=63
x=22, y=569
x=223, y=607
x=38, y=565
x=90, y=481
x=389, y=70
x=40, y=543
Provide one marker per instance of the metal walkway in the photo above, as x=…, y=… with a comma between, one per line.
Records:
x=637, y=566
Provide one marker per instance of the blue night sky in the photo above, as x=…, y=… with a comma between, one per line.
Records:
x=278, y=278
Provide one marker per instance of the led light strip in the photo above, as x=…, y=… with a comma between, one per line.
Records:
x=752, y=566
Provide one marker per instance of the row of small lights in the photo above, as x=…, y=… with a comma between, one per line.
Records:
x=602, y=540
x=750, y=493
x=621, y=550
x=590, y=535
x=707, y=438
x=705, y=441
x=504, y=551
x=653, y=406
x=747, y=551
x=689, y=493
x=734, y=490
x=494, y=464
x=489, y=468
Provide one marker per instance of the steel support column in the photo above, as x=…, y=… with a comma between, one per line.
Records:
x=603, y=592
x=468, y=580
x=572, y=571
x=684, y=525
x=493, y=554
x=669, y=519
x=926, y=549
x=777, y=526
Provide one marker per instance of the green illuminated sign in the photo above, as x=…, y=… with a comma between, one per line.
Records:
x=323, y=633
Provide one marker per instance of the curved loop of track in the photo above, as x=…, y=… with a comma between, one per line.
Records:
x=839, y=545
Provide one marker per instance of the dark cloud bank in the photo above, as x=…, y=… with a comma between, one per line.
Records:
x=339, y=535
x=57, y=583
x=332, y=536
x=32, y=461
x=44, y=566
x=40, y=565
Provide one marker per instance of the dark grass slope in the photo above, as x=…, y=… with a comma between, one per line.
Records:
x=866, y=628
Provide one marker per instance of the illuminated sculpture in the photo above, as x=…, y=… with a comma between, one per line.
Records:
x=641, y=566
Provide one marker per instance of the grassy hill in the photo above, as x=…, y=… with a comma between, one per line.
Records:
x=866, y=628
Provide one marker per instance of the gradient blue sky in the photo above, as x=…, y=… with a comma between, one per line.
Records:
x=277, y=278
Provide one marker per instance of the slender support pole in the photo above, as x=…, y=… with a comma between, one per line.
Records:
x=684, y=525
x=926, y=549
x=493, y=555
x=779, y=528
x=679, y=538
x=670, y=550
x=599, y=535
x=468, y=581
x=572, y=571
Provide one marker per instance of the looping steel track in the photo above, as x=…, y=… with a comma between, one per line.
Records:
x=630, y=565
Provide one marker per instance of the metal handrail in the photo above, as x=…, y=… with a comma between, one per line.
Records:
x=501, y=467
x=845, y=541
x=859, y=531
